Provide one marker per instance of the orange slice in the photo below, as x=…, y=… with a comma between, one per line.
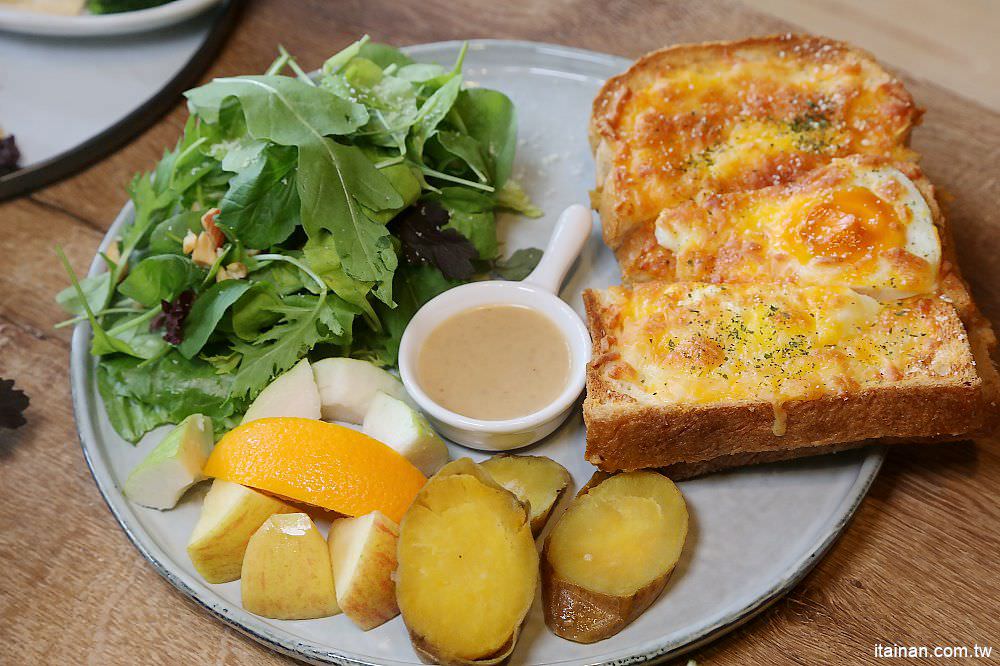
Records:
x=317, y=463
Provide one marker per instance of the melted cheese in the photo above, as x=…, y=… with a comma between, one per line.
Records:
x=696, y=343
x=856, y=222
x=744, y=119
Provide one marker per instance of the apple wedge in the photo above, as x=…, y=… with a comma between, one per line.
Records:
x=537, y=481
x=292, y=394
x=229, y=517
x=286, y=571
x=347, y=387
x=173, y=466
x=363, y=554
x=396, y=424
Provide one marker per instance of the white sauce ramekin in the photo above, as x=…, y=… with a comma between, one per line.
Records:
x=538, y=291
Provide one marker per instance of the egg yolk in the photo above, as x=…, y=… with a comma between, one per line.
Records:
x=846, y=225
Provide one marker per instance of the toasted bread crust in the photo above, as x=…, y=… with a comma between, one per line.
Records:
x=691, y=439
x=896, y=113
x=627, y=436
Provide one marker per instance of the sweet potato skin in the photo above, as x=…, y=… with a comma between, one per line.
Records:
x=585, y=616
x=581, y=615
x=430, y=655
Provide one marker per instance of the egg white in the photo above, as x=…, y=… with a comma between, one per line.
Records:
x=921, y=235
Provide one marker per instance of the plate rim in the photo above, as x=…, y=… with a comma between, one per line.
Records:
x=26, y=22
x=81, y=378
x=74, y=159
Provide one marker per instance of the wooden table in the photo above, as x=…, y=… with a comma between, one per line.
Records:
x=917, y=566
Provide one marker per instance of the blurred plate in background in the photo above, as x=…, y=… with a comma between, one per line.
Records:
x=94, y=25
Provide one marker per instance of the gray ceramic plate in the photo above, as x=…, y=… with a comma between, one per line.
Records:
x=755, y=533
x=100, y=25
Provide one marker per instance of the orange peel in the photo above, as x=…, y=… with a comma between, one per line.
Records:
x=317, y=463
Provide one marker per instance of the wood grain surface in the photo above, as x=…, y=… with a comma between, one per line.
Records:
x=917, y=566
x=954, y=44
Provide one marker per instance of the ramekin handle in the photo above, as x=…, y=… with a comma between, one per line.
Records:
x=571, y=233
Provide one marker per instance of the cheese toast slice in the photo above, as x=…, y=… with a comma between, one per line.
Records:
x=695, y=376
x=860, y=222
x=733, y=116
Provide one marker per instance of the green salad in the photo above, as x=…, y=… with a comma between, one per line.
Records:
x=297, y=215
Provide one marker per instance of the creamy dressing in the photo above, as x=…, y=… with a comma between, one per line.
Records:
x=494, y=362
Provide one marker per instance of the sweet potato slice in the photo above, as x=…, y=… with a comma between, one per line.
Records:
x=537, y=481
x=468, y=568
x=610, y=555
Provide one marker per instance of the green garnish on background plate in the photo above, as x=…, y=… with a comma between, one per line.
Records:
x=119, y=6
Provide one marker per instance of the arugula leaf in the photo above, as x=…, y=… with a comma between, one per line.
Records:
x=261, y=208
x=334, y=182
x=432, y=83
x=466, y=149
x=518, y=265
x=283, y=277
x=281, y=109
x=512, y=197
x=420, y=72
x=224, y=364
x=321, y=255
x=406, y=181
x=384, y=55
x=208, y=309
x=490, y=118
x=313, y=319
x=392, y=102
x=336, y=320
x=160, y=278
x=432, y=112
x=255, y=311
x=105, y=343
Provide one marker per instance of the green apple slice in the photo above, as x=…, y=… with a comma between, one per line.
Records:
x=396, y=424
x=173, y=466
x=292, y=394
x=347, y=387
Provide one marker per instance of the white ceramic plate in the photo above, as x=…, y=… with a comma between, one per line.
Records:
x=754, y=533
x=95, y=25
